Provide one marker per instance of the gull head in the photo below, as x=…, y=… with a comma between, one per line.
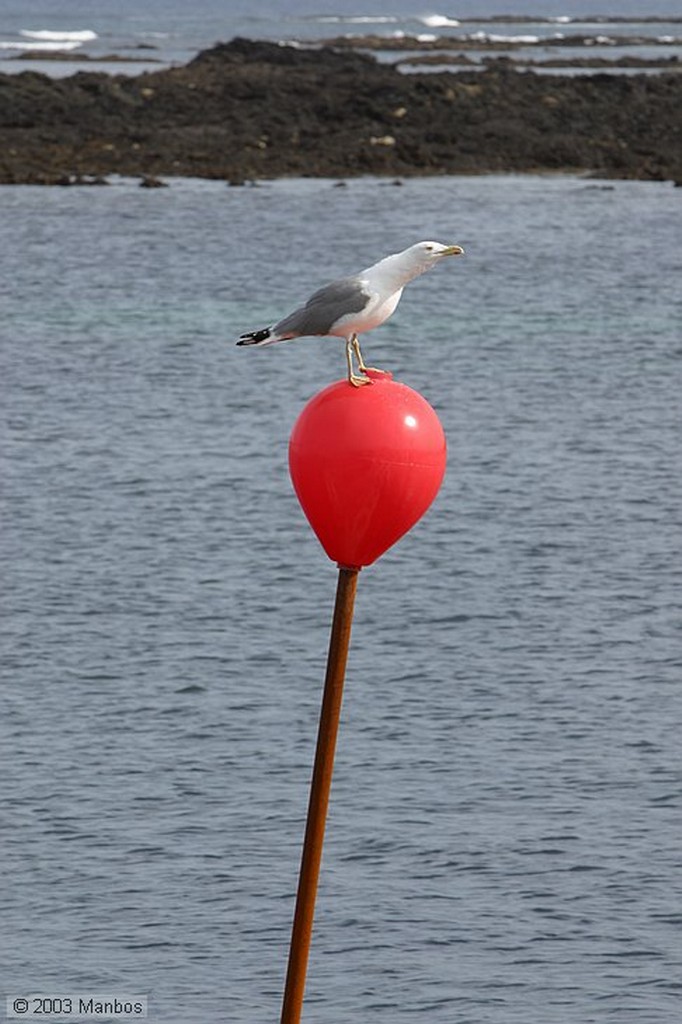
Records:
x=418, y=258
x=424, y=255
x=431, y=252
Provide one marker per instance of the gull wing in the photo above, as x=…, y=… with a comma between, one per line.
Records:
x=325, y=308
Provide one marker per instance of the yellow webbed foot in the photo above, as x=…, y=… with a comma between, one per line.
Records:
x=362, y=366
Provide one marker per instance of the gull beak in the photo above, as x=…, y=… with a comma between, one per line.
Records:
x=453, y=250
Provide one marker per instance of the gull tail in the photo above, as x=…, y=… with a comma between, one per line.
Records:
x=263, y=337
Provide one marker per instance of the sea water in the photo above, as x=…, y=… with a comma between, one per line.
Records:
x=504, y=836
x=156, y=34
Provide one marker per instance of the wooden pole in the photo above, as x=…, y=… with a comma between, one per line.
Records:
x=319, y=797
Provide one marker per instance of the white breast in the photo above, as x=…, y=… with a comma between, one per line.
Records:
x=374, y=313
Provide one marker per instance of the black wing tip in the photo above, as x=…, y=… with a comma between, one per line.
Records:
x=255, y=337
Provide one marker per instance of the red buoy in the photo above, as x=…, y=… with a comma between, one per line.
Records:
x=366, y=463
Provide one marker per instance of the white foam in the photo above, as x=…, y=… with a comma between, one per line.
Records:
x=84, y=36
x=600, y=41
x=357, y=19
x=438, y=21
x=36, y=46
x=489, y=37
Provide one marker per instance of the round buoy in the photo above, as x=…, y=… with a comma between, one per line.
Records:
x=366, y=463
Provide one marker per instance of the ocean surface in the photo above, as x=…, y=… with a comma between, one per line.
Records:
x=160, y=33
x=504, y=836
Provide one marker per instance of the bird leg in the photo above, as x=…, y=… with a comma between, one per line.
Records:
x=361, y=362
x=353, y=379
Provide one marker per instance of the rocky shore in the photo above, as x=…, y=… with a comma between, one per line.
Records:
x=251, y=110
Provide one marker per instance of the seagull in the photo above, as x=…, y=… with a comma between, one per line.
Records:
x=352, y=305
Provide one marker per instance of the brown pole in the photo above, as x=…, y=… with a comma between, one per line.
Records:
x=319, y=796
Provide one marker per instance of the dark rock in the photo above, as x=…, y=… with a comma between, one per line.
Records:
x=244, y=111
x=149, y=181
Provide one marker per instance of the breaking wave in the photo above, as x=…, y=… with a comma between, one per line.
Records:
x=46, y=35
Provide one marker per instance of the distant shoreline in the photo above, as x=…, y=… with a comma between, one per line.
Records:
x=84, y=58
x=454, y=55
x=249, y=110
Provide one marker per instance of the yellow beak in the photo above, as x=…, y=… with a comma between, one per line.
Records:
x=453, y=250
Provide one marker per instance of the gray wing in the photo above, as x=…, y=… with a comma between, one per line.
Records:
x=325, y=308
